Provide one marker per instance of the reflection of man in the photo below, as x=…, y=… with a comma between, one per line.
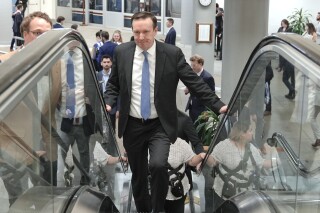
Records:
x=194, y=105
x=171, y=35
x=145, y=74
x=76, y=123
x=318, y=28
x=32, y=26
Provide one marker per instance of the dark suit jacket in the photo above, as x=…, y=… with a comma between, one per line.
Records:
x=116, y=106
x=171, y=37
x=17, y=19
x=194, y=104
x=56, y=26
x=187, y=132
x=106, y=49
x=170, y=67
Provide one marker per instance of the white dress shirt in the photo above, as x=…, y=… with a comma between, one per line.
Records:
x=136, y=81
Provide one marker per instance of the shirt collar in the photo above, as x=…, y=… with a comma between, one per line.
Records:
x=151, y=50
x=199, y=73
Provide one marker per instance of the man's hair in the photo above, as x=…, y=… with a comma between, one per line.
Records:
x=144, y=15
x=170, y=20
x=106, y=56
x=105, y=35
x=198, y=59
x=25, y=25
x=60, y=19
x=74, y=26
x=19, y=6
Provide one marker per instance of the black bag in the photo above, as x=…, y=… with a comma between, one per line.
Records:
x=229, y=190
x=175, y=183
x=176, y=187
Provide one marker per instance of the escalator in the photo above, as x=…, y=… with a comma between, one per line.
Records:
x=34, y=121
x=32, y=171
x=290, y=182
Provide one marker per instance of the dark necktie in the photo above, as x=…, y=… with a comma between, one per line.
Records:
x=70, y=97
x=145, y=88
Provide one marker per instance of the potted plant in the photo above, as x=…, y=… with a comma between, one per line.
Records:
x=298, y=20
x=206, y=126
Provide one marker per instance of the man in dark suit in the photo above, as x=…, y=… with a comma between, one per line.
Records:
x=194, y=105
x=24, y=4
x=17, y=20
x=171, y=35
x=59, y=23
x=145, y=74
x=108, y=46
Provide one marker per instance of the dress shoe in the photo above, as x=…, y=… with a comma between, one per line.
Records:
x=266, y=113
x=290, y=96
x=316, y=144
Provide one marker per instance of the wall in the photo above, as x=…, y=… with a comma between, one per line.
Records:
x=6, y=23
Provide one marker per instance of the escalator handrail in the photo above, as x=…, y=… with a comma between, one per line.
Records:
x=48, y=47
x=310, y=50
x=294, y=159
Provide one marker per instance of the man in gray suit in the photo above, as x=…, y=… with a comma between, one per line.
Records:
x=145, y=74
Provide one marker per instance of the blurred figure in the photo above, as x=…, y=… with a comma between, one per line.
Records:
x=108, y=46
x=95, y=51
x=116, y=37
x=318, y=28
x=269, y=76
x=59, y=22
x=218, y=31
x=17, y=20
x=310, y=32
x=194, y=105
x=171, y=35
x=75, y=27
x=237, y=161
x=24, y=4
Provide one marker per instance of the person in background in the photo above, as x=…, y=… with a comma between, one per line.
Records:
x=171, y=35
x=95, y=51
x=24, y=4
x=116, y=37
x=59, y=22
x=74, y=26
x=108, y=46
x=310, y=32
x=17, y=20
x=228, y=155
x=194, y=105
x=218, y=31
x=180, y=156
x=145, y=75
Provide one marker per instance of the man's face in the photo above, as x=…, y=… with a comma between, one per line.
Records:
x=196, y=67
x=168, y=23
x=144, y=33
x=318, y=17
x=36, y=28
x=106, y=64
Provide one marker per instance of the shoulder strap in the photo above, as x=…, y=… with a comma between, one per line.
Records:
x=174, y=171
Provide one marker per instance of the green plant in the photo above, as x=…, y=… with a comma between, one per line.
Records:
x=298, y=20
x=206, y=126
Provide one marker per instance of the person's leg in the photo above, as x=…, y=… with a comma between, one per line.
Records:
x=285, y=79
x=134, y=141
x=159, y=145
x=83, y=147
x=268, y=105
x=175, y=206
x=68, y=140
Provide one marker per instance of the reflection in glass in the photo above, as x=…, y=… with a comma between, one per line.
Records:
x=114, y=5
x=63, y=3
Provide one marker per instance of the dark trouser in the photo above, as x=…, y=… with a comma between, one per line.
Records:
x=175, y=206
x=268, y=105
x=288, y=73
x=77, y=134
x=50, y=172
x=137, y=138
x=19, y=42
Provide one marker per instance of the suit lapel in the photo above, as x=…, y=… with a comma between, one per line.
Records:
x=160, y=61
x=129, y=65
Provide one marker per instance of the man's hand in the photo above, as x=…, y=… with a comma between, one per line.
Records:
x=108, y=108
x=223, y=109
x=186, y=91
